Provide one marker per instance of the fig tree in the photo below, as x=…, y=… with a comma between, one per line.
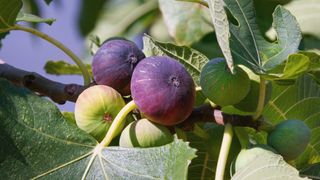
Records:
x=144, y=133
x=248, y=155
x=95, y=109
x=114, y=62
x=221, y=86
x=290, y=138
x=163, y=90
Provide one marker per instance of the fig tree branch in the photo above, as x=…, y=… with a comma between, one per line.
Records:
x=58, y=92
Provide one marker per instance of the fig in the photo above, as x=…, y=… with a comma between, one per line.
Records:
x=163, y=90
x=113, y=64
x=222, y=87
x=248, y=155
x=290, y=138
x=144, y=133
x=95, y=109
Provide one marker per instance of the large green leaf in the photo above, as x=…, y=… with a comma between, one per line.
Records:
x=64, y=68
x=36, y=141
x=247, y=43
x=298, y=101
x=187, y=22
x=307, y=13
x=267, y=165
x=190, y=58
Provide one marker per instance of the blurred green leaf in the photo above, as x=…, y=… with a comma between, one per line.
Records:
x=190, y=58
x=307, y=13
x=9, y=10
x=299, y=101
x=247, y=43
x=267, y=165
x=69, y=116
x=89, y=14
x=186, y=22
x=63, y=68
x=33, y=18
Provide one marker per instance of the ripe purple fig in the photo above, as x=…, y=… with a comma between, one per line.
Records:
x=95, y=109
x=144, y=133
x=163, y=90
x=114, y=62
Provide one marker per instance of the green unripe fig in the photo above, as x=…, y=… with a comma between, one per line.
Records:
x=221, y=86
x=290, y=138
x=248, y=155
x=95, y=109
x=144, y=133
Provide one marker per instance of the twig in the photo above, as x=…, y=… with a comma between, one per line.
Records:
x=58, y=92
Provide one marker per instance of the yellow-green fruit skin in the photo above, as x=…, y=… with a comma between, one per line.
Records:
x=222, y=87
x=248, y=155
x=290, y=138
x=95, y=109
x=144, y=133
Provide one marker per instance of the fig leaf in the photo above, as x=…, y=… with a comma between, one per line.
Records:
x=298, y=101
x=33, y=18
x=248, y=45
x=267, y=164
x=64, y=68
x=192, y=59
x=36, y=141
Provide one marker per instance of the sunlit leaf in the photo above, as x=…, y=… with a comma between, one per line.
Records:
x=33, y=18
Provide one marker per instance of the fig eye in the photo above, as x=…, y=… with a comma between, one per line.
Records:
x=174, y=80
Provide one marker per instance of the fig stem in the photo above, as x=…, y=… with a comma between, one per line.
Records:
x=262, y=96
x=116, y=123
x=224, y=151
x=59, y=45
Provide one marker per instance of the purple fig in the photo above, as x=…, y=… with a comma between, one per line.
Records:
x=163, y=90
x=114, y=62
x=95, y=109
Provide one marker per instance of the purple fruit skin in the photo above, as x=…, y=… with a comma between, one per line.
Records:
x=114, y=62
x=163, y=90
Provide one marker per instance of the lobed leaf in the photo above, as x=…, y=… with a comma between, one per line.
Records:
x=249, y=47
x=190, y=58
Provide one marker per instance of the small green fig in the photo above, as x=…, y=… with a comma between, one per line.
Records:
x=290, y=138
x=95, y=109
x=221, y=86
x=248, y=155
x=144, y=133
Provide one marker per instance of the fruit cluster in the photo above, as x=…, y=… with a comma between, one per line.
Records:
x=164, y=93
